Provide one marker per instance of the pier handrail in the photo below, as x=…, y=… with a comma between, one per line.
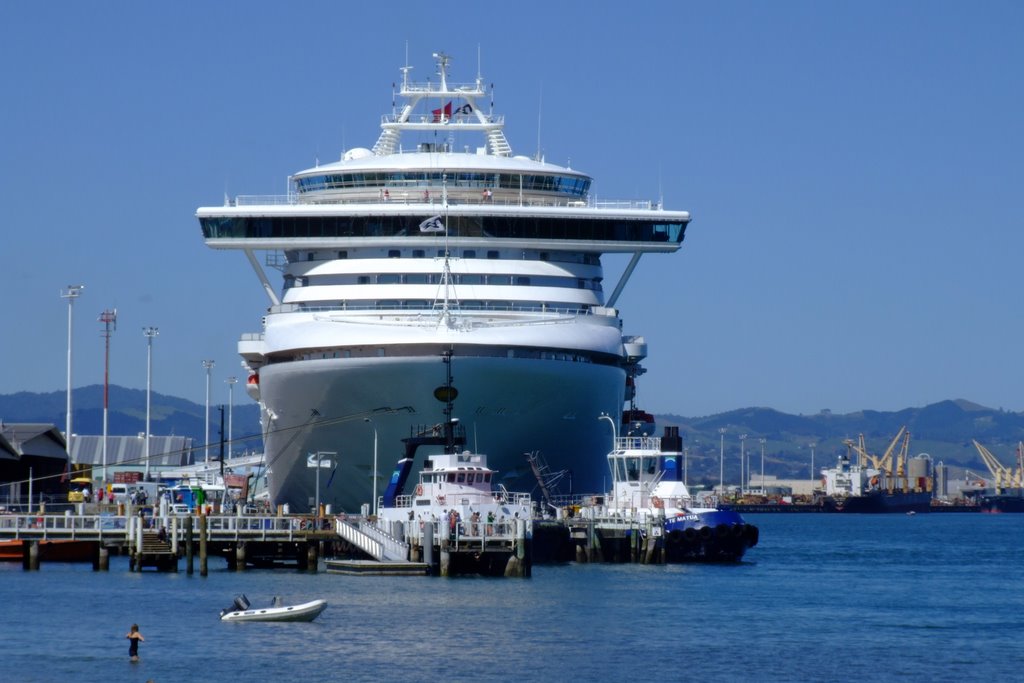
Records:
x=61, y=527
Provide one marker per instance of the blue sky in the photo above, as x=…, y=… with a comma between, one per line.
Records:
x=854, y=172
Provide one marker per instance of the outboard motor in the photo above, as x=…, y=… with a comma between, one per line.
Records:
x=241, y=603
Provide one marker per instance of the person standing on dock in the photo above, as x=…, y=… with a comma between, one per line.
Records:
x=134, y=636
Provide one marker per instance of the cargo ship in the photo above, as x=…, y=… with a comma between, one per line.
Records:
x=852, y=487
x=1004, y=502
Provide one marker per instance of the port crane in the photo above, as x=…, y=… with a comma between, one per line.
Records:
x=1005, y=477
x=893, y=469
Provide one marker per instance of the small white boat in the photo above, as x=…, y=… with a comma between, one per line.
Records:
x=241, y=611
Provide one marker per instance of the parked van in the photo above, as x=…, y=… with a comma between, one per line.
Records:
x=122, y=493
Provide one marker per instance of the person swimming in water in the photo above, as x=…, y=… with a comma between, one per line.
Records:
x=134, y=636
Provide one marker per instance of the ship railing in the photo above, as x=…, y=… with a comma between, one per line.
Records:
x=427, y=306
x=637, y=443
x=624, y=204
x=414, y=195
x=263, y=199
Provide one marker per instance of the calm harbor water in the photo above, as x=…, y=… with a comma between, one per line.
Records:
x=821, y=598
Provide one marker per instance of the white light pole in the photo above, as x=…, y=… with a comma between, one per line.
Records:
x=149, y=333
x=743, y=455
x=721, y=463
x=374, y=425
x=71, y=293
x=208, y=365
x=762, y=467
x=812, y=466
x=109, y=320
x=231, y=409
x=319, y=455
x=615, y=441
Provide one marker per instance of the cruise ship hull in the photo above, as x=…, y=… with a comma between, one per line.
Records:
x=507, y=406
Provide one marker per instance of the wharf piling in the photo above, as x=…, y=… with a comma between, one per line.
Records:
x=203, y=568
x=189, y=546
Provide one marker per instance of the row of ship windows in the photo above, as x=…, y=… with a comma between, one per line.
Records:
x=381, y=352
x=492, y=254
x=593, y=284
x=471, y=226
x=571, y=308
x=574, y=186
x=457, y=478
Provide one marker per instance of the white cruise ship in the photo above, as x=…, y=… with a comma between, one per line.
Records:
x=437, y=241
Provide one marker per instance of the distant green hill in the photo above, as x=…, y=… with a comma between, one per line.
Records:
x=169, y=416
x=943, y=430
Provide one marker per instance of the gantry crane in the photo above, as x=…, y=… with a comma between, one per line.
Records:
x=1005, y=477
x=893, y=470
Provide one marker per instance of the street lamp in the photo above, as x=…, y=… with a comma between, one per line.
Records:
x=374, y=425
x=812, y=444
x=149, y=333
x=319, y=455
x=743, y=455
x=109, y=320
x=231, y=409
x=762, y=467
x=615, y=441
x=71, y=293
x=721, y=463
x=208, y=364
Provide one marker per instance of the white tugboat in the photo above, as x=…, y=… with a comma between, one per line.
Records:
x=648, y=492
x=457, y=504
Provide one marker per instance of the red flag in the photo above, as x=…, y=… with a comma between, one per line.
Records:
x=447, y=113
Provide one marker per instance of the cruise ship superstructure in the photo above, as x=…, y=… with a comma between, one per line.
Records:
x=437, y=243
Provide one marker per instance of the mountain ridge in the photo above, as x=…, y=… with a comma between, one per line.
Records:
x=942, y=430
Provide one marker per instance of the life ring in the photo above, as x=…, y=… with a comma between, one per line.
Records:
x=657, y=502
x=419, y=489
x=440, y=500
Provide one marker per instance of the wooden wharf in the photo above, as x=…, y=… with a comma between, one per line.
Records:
x=243, y=540
x=259, y=540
